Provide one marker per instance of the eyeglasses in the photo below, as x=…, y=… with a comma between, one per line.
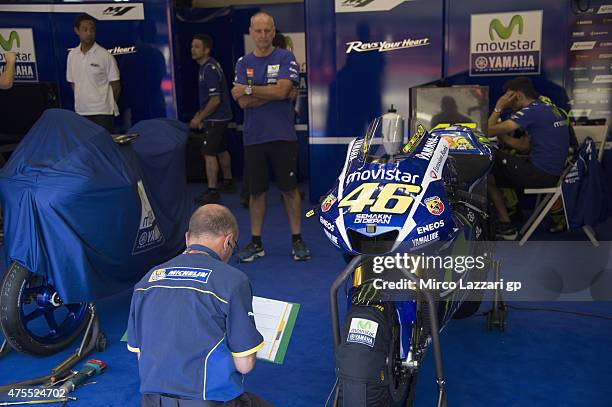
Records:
x=233, y=244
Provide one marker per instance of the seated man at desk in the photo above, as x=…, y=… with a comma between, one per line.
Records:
x=546, y=142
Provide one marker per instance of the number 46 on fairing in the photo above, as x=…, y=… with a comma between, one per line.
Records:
x=360, y=197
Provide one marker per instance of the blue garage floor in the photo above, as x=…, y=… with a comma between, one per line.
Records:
x=543, y=359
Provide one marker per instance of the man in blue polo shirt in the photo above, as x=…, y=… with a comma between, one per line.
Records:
x=212, y=118
x=262, y=87
x=547, y=143
x=191, y=321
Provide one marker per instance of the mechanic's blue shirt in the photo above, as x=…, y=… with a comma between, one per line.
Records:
x=211, y=82
x=548, y=135
x=188, y=318
x=273, y=121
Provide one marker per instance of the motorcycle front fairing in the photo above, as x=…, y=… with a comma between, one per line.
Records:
x=381, y=201
x=384, y=203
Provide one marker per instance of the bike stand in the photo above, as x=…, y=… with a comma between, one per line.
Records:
x=496, y=316
x=92, y=340
x=433, y=316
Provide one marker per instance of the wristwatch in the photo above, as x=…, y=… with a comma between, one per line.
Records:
x=248, y=90
x=497, y=110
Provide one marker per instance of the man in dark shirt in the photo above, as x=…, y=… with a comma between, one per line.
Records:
x=213, y=117
x=546, y=142
x=191, y=321
x=263, y=86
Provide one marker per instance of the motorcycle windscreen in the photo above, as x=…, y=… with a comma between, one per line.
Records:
x=77, y=211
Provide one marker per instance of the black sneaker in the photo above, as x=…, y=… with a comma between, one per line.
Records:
x=208, y=197
x=244, y=202
x=516, y=216
x=251, y=252
x=506, y=231
x=300, y=251
x=557, y=225
x=228, y=186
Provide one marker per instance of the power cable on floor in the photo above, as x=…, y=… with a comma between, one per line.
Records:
x=331, y=392
x=578, y=313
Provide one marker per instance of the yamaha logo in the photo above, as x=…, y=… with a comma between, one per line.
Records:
x=481, y=62
x=117, y=11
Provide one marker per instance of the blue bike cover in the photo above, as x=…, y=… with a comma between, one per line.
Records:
x=89, y=215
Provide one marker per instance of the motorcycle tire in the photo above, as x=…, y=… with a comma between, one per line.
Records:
x=484, y=245
x=394, y=390
x=399, y=388
x=15, y=330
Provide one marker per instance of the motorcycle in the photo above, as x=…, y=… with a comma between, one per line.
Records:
x=394, y=203
x=85, y=216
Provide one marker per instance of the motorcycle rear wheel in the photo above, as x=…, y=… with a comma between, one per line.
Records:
x=484, y=245
x=26, y=300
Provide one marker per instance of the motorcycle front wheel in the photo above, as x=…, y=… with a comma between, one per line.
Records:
x=374, y=375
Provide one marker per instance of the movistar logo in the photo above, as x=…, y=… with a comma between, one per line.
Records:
x=7, y=45
x=365, y=325
x=504, y=32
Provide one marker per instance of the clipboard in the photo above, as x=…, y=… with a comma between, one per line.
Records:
x=275, y=321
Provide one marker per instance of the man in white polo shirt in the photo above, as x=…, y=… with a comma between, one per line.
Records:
x=93, y=74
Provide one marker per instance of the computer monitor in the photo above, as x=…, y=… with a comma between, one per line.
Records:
x=431, y=105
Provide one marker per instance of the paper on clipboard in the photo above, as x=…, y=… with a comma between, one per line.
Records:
x=275, y=321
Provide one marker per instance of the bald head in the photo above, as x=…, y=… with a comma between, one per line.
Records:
x=211, y=221
x=262, y=32
x=263, y=18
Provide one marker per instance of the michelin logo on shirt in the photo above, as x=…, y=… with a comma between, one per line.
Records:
x=181, y=274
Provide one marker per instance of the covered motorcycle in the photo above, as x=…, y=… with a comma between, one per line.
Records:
x=84, y=218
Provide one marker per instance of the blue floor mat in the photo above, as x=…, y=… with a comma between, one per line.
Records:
x=543, y=359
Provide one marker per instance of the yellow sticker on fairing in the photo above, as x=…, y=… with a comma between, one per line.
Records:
x=414, y=140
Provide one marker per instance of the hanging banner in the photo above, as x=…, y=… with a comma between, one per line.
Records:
x=589, y=80
x=506, y=43
x=21, y=42
x=99, y=11
x=357, y=6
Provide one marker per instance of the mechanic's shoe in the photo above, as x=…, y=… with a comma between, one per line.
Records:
x=228, y=186
x=209, y=197
x=251, y=252
x=506, y=231
x=244, y=202
x=557, y=228
x=558, y=224
x=516, y=216
x=300, y=251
